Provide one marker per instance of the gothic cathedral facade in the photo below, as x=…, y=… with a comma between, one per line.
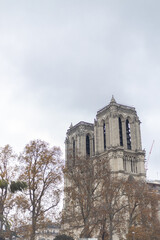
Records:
x=115, y=133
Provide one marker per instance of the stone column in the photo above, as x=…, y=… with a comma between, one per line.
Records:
x=133, y=135
x=91, y=145
x=114, y=130
x=98, y=138
x=83, y=145
x=138, y=135
x=95, y=137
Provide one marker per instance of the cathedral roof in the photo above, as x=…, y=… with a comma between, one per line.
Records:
x=117, y=105
x=86, y=125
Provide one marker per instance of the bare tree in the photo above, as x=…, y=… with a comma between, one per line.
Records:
x=112, y=206
x=82, y=193
x=142, y=210
x=94, y=198
x=8, y=186
x=102, y=203
x=42, y=171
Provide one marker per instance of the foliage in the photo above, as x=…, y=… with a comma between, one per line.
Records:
x=7, y=173
x=63, y=237
x=42, y=171
x=3, y=184
x=92, y=197
x=100, y=201
x=111, y=207
x=17, y=186
x=142, y=211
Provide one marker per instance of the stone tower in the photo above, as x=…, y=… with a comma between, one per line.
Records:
x=115, y=133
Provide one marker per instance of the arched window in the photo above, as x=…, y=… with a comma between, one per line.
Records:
x=120, y=132
x=74, y=151
x=104, y=135
x=87, y=145
x=128, y=135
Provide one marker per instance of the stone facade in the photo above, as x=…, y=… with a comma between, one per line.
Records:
x=115, y=133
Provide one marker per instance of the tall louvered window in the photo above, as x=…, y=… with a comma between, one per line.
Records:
x=104, y=135
x=120, y=132
x=74, y=151
x=87, y=145
x=128, y=135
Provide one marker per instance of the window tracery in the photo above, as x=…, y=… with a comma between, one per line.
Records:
x=130, y=164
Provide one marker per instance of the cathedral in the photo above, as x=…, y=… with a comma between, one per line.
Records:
x=115, y=133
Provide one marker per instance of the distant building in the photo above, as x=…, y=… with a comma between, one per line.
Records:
x=154, y=185
x=49, y=232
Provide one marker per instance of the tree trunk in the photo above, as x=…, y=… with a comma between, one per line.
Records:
x=111, y=229
x=85, y=232
x=33, y=232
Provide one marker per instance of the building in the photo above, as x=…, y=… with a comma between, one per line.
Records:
x=48, y=232
x=114, y=134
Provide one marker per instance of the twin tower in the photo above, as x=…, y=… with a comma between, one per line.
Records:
x=114, y=134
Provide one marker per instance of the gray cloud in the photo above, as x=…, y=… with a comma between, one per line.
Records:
x=60, y=61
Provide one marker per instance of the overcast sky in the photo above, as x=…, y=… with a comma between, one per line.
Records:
x=61, y=61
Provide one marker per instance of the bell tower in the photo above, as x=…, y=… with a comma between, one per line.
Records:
x=79, y=142
x=115, y=134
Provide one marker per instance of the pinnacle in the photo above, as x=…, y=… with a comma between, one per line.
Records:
x=113, y=100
